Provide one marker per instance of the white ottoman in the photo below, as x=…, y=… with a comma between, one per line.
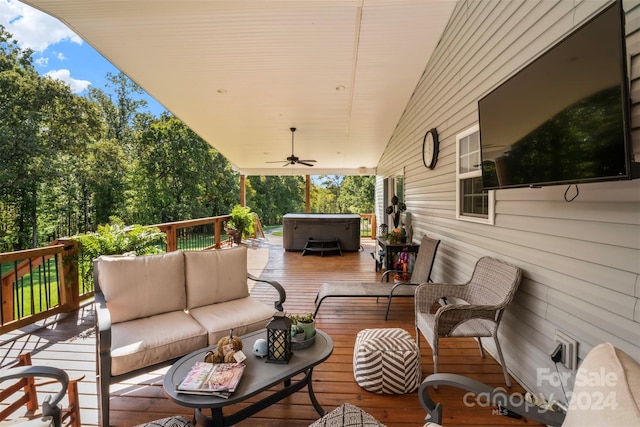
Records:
x=386, y=361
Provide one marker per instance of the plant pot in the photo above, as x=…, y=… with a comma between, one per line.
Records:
x=309, y=329
x=237, y=238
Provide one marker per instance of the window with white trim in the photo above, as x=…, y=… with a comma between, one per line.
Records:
x=472, y=202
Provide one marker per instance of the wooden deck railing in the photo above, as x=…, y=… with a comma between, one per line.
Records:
x=368, y=225
x=194, y=234
x=35, y=285
x=38, y=283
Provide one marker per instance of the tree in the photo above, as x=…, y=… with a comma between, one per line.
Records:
x=41, y=122
x=332, y=184
x=178, y=176
x=273, y=196
x=343, y=194
x=357, y=194
x=119, y=115
x=110, y=158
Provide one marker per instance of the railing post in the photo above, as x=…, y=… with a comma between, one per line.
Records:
x=374, y=227
x=70, y=278
x=243, y=191
x=172, y=238
x=217, y=232
x=307, y=193
x=7, y=298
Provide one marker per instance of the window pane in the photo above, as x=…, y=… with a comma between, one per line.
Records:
x=470, y=153
x=474, y=201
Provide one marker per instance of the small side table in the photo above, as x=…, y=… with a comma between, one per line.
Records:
x=395, y=248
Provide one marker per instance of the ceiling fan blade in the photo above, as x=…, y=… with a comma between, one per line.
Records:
x=308, y=161
x=304, y=162
x=278, y=161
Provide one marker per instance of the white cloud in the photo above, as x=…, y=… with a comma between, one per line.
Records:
x=61, y=56
x=32, y=28
x=76, y=86
x=42, y=61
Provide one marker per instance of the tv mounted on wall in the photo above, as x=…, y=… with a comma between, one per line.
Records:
x=564, y=118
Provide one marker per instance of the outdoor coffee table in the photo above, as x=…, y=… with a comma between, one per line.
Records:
x=258, y=376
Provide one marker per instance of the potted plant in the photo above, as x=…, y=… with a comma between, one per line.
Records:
x=242, y=221
x=304, y=323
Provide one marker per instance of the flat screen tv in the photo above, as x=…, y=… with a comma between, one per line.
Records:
x=564, y=118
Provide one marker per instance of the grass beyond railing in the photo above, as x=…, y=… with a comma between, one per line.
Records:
x=34, y=286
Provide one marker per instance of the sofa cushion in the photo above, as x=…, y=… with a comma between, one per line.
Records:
x=141, y=286
x=606, y=391
x=144, y=342
x=243, y=315
x=216, y=276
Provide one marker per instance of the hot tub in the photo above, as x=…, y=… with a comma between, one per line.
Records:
x=298, y=228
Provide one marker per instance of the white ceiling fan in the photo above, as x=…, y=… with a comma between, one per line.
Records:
x=293, y=159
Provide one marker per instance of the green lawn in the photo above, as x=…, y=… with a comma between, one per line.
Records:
x=39, y=286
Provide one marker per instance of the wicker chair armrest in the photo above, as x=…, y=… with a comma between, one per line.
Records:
x=450, y=316
x=497, y=396
x=282, y=295
x=428, y=294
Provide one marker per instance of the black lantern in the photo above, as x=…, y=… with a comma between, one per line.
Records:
x=279, y=339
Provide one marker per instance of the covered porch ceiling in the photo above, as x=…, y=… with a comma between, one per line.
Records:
x=241, y=73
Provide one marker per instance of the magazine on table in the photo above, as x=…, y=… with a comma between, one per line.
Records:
x=212, y=379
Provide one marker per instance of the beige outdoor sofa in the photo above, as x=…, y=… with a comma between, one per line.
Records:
x=151, y=310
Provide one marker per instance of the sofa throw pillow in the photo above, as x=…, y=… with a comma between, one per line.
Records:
x=215, y=276
x=142, y=286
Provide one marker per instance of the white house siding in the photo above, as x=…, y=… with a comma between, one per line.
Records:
x=581, y=260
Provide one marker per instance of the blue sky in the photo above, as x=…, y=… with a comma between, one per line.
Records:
x=59, y=52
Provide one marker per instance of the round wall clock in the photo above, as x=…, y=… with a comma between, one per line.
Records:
x=430, y=148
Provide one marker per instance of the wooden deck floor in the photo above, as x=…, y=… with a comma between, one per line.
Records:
x=68, y=342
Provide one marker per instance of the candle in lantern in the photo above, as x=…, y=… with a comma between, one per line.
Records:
x=278, y=351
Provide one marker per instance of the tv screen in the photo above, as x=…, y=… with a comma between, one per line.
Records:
x=564, y=117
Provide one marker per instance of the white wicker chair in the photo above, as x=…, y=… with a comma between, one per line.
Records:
x=484, y=299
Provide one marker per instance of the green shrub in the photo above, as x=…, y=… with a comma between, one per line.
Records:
x=116, y=239
x=242, y=220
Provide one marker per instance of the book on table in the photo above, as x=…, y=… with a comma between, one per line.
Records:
x=212, y=379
